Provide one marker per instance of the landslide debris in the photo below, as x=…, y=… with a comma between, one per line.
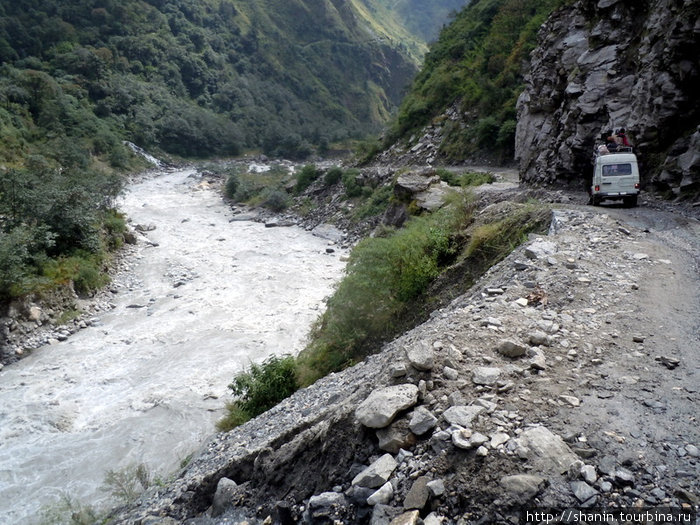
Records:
x=545, y=385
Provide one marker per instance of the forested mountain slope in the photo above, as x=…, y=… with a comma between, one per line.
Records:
x=463, y=100
x=424, y=18
x=205, y=77
x=193, y=78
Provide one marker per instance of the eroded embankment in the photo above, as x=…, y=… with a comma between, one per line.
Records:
x=566, y=376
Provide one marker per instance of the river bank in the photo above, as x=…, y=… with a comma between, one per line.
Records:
x=198, y=299
x=565, y=378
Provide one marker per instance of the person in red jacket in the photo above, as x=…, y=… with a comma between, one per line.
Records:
x=622, y=138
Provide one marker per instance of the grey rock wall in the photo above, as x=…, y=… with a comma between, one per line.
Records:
x=607, y=64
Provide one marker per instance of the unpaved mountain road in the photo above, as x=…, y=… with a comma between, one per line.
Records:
x=610, y=344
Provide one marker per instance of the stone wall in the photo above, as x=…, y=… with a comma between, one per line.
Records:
x=604, y=64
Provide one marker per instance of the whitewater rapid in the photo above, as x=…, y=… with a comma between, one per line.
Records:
x=204, y=298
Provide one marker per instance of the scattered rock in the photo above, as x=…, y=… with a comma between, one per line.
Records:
x=511, y=348
x=418, y=496
x=422, y=420
x=421, y=356
x=395, y=437
x=382, y=405
x=462, y=415
x=545, y=450
x=224, y=497
x=323, y=505
x=407, y=518
x=571, y=400
x=377, y=473
x=582, y=491
x=382, y=496
x=522, y=487
x=588, y=474
x=436, y=488
x=484, y=375
x=540, y=249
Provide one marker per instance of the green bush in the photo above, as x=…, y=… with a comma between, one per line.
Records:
x=306, y=176
x=333, y=176
x=352, y=188
x=384, y=274
x=376, y=203
x=84, y=269
x=275, y=200
x=259, y=389
x=469, y=178
x=231, y=186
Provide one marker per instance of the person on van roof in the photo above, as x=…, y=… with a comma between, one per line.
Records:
x=610, y=142
x=622, y=138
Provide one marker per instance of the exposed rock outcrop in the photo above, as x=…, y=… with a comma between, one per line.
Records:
x=605, y=64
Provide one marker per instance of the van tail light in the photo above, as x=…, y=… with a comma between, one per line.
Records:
x=597, y=188
x=636, y=186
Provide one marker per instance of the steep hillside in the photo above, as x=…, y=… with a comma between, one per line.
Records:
x=462, y=103
x=609, y=64
x=211, y=77
x=190, y=78
x=424, y=18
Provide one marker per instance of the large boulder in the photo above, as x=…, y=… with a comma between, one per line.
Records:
x=377, y=474
x=545, y=451
x=382, y=405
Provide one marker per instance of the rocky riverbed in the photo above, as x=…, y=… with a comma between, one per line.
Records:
x=567, y=377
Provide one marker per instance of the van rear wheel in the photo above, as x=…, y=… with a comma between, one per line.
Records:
x=630, y=202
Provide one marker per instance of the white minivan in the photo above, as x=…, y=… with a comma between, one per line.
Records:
x=615, y=177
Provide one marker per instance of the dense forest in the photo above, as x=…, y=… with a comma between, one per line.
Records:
x=191, y=78
x=477, y=66
x=200, y=78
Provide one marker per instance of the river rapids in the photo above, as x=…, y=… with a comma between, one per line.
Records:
x=204, y=298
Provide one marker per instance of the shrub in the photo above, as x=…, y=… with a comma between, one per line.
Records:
x=305, y=177
x=384, y=275
x=333, y=176
x=352, y=188
x=275, y=200
x=127, y=484
x=114, y=226
x=487, y=132
x=259, y=389
x=469, y=178
x=492, y=241
x=376, y=203
x=231, y=186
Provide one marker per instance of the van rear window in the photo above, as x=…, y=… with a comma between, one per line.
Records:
x=616, y=169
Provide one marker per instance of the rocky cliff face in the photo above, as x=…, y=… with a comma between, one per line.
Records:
x=603, y=64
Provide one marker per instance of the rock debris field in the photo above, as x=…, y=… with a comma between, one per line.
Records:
x=566, y=378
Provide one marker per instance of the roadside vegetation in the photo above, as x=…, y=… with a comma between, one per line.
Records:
x=393, y=280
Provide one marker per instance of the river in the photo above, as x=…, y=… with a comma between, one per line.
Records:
x=204, y=298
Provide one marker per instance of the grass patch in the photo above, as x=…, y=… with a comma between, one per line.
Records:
x=374, y=205
x=306, y=176
x=384, y=275
x=68, y=315
x=506, y=228
x=85, y=269
x=69, y=511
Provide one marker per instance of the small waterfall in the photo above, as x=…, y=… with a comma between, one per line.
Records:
x=140, y=151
